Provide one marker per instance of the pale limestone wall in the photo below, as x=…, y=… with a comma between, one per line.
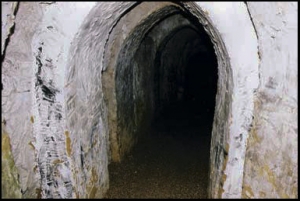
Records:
x=235, y=28
x=271, y=168
x=86, y=111
x=33, y=79
x=16, y=111
x=54, y=152
x=50, y=48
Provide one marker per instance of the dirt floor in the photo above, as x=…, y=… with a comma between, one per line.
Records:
x=171, y=163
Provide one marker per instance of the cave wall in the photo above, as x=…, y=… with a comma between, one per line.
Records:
x=271, y=161
x=33, y=66
x=22, y=180
x=56, y=123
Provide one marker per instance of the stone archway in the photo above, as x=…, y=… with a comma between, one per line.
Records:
x=94, y=106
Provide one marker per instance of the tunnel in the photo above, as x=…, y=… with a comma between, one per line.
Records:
x=165, y=88
x=137, y=85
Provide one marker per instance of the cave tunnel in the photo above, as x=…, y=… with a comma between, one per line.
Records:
x=186, y=92
x=166, y=90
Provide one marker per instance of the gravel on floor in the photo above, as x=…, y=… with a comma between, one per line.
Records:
x=171, y=163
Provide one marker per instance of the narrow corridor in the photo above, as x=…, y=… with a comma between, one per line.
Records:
x=172, y=161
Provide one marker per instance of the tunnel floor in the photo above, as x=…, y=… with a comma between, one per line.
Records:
x=172, y=162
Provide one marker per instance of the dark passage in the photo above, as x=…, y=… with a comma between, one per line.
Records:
x=173, y=160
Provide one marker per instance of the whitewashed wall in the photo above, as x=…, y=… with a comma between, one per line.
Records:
x=271, y=168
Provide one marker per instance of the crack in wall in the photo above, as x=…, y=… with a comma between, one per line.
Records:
x=10, y=30
x=256, y=34
x=252, y=124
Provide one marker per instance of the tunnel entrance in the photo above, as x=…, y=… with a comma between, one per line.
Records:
x=131, y=72
x=173, y=81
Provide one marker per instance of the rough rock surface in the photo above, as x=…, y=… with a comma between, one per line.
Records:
x=271, y=168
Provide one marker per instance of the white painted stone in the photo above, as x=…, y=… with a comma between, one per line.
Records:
x=232, y=21
x=54, y=35
x=16, y=95
x=276, y=154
